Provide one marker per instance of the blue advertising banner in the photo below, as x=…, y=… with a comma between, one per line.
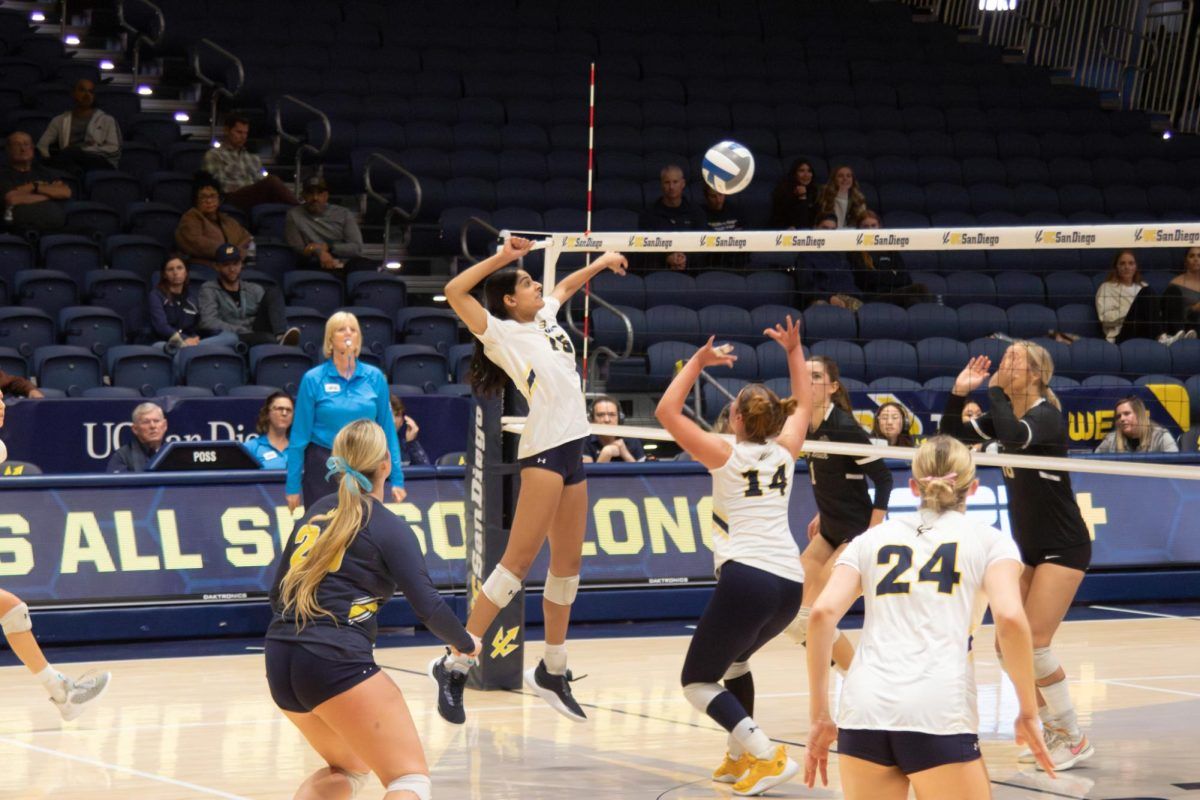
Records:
x=70, y=436
x=215, y=536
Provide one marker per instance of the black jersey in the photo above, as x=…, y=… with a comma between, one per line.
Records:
x=839, y=482
x=1041, y=503
x=384, y=556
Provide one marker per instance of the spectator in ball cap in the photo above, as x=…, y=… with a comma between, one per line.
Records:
x=325, y=236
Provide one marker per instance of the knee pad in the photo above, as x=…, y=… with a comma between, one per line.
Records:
x=736, y=670
x=701, y=694
x=501, y=586
x=1045, y=663
x=420, y=785
x=798, y=630
x=357, y=780
x=17, y=620
x=561, y=591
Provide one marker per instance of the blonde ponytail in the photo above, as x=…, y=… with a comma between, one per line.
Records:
x=944, y=472
x=1042, y=366
x=358, y=451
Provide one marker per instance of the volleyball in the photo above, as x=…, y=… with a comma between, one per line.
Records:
x=728, y=167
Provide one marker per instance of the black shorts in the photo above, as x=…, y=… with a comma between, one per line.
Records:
x=565, y=459
x=839, y=533
x=301, y=681
x=1076, y=556
x=908, y=750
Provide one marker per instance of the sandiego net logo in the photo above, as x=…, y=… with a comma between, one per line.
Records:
x=639, y=242
x=712, y=240
x=582, y=241
x=1173, y=235
x=1063, y=237
x=880, y=240
x=794, y=240
x=970, y=239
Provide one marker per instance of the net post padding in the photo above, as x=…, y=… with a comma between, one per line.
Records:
x=1092, y=465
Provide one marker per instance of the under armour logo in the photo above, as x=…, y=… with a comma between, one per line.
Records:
x=541, y=461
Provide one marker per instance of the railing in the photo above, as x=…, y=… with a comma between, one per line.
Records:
x=140, y=37
x=393, y=211
x=463, y=236
x=218, y=90
x=1158, y=76
x=598, y=350
x=302, y=145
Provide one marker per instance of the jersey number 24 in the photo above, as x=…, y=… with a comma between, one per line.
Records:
x=939, y=569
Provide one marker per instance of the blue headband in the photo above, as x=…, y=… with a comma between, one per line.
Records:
x=337, y=465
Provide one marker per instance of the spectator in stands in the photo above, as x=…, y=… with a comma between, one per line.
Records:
x=1181, y=301
x=83, y=138
x=274, y=425
x=720, y=213
x=1134, y=432
x=892, y=426
x=325, y=236
x=254, y=312
x=881, y=275
x=603, y=449
x=174, y=308
x=826, y=277
x=240, y=173
x=203, y=227
x=33, y=195
x=971, y=410
x=149, y=429
x=673, y=212
x=794, y=199
x=842, y=198
x=1122, y=287
x=407, y=431
x=16, y=386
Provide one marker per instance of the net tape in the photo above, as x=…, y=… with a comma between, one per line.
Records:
x=1097, y=466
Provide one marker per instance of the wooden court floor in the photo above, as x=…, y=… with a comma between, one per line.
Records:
x=192, y=728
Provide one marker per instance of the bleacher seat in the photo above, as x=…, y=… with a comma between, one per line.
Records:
x=969, y=287
x=987, y=346
x=829, y=322
x=184, y=391
x=1094, y=356
x=848, y=355
x=609, y=330
x=435, y=327
x=666, y=323
x=932, y=319
x=13, y=363
x=889, y=357
x=267, y=219
x=1079, y=319
x=140, y=367
x=1143, y=356
x=882, y=321
x=674, y=288
x=378, y=330
x=114, y=189
x=712, y=399
x=93, y=328
x=46, y=289
x=156, y=221
x=1185, y=358
x=70, y=254
x=416, y=364
x=172, y=189
x=67, y=368
x=212, y=367
x=1027, y=320
x=379, y=290
x=729, y=323
x=97, y=218
x=313, y=289
x=939, y=355
x=311, y=323
x=276, y=259
x=280, y=366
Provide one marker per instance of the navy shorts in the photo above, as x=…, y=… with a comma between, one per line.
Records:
x=566, y=460
x=1076, y=556
x=909, y=750
x=301, y=681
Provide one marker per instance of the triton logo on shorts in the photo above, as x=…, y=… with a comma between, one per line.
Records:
x=503, y=643
x=965, y=239
x=1063, y=237
x=1162, y=235
x=650, y=241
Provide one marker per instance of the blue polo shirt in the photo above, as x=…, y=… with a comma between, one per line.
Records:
x=265, y=453
x=327, y=402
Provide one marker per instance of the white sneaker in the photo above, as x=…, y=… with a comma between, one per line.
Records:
x=1171, y=339
x=80, y=693
x=1051, y=737
x=1066, y=753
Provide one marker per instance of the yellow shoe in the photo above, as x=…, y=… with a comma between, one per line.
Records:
x=732, y=768
x=766, y=773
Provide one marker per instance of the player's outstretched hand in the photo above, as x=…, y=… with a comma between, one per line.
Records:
x=821, y=734
x=1028, y=732
x=973, y=375
x=515, y=247
x=787, y=337
x=614, y=261
x=716, y=355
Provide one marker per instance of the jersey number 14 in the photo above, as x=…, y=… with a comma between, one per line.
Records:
x=939, y=569
x=778, y=481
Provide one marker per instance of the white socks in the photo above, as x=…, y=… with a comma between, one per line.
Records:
x=734, y=746
x=555, y=658
x=752, y=739
x=1058, y=701
x=55, y=682
x=460, y=663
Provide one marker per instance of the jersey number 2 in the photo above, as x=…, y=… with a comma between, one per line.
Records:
x=939, y=569
x=778, y=481
x=306, y=539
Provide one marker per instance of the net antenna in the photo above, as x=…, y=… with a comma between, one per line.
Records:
x=587, y=287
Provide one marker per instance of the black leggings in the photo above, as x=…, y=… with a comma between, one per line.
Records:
x=749, y=608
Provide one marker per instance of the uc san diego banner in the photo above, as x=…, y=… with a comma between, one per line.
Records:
x=216, y=536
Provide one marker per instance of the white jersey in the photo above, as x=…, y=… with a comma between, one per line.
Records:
x=540, y=360
x=922, y=583
x=750, y=510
